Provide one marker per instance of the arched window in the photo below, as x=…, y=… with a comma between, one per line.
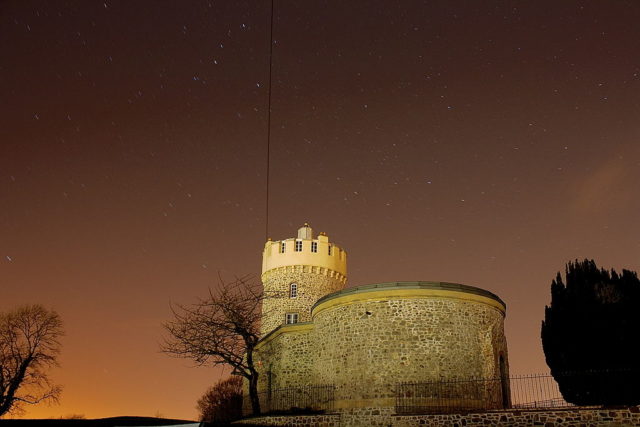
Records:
x=293, y=290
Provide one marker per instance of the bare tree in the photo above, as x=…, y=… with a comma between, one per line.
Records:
x=222, y=329
x=222, y=402
x=29, y=345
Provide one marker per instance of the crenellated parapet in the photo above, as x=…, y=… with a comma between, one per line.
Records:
x=304, y=250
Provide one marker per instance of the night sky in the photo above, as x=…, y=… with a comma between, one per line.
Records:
x=484, y=143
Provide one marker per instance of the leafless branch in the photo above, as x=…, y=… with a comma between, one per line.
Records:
x=29, y=345
x=221, y=329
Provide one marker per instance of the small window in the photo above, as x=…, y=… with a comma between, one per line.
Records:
x=293, y=290
x=298, y=245
x=329, y=249
x=291, y=318
x=314, y=246
x=283, y=246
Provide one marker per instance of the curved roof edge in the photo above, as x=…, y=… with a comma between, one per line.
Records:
x=444, y=286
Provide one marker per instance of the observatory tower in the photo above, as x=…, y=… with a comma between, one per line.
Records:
x=296, y=272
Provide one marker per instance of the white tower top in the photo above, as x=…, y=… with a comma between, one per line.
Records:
x=304, y=250
x=305, y=232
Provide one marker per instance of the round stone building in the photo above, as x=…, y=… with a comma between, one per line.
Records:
x=365, y=341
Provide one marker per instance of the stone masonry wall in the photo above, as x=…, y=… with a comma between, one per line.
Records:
x=313, y=283
x=366, y=348
x=546, y=418
x=286, y=360
x=365, y=343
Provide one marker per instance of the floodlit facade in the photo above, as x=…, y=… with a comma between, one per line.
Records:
x=363, y=341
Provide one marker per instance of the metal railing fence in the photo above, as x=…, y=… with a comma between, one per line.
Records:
x=310, y=399
x=446, y=396
x=536, y=391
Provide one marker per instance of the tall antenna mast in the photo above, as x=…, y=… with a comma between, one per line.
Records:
x=266, y=231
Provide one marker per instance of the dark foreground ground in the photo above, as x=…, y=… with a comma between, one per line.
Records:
x=100, y=422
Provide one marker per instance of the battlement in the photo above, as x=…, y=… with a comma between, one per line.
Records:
x=304, y=251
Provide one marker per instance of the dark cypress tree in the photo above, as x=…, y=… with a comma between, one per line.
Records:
x=590, y=335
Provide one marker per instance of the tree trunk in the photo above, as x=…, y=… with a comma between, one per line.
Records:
x=253, y=394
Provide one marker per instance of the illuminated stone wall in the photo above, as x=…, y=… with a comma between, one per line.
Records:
x=365, y=340
x=285, y=357
x=312, y=282
x=369, y=340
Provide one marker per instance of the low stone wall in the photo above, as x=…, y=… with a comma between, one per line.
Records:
x=330, y=420
x=569, y=418
x=375, y=417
